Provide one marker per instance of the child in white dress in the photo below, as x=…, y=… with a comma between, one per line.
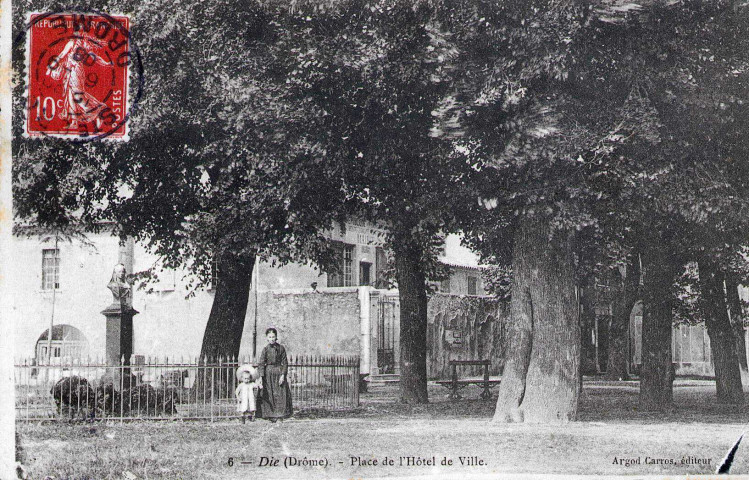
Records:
x=246, y=391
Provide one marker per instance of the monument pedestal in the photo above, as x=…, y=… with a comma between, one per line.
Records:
x=119, y=338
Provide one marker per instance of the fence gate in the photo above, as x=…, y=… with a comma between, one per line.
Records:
x=386, y=335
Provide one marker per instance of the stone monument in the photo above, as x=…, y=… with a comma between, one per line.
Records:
x=119, y=315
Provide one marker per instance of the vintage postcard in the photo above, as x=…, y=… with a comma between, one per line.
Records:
x=360, y=239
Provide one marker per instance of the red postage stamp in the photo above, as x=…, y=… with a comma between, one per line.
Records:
x=77, y=67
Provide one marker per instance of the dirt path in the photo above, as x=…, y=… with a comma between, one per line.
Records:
x=444, y=438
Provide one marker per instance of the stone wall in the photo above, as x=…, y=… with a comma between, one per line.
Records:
x=314, y=323
x=465, y=328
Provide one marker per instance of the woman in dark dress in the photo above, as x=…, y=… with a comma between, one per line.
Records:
x=275, y=396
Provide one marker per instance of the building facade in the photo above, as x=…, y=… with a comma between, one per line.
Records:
x=63, y=283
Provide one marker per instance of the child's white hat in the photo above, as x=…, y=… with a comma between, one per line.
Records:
x=247, y=368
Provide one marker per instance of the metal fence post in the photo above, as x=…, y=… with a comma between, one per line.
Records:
x=213, y=386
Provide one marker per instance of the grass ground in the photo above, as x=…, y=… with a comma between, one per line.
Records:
x=610, y=429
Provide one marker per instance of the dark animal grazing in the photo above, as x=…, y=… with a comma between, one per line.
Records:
x=108, y=400
x=144, y=399
x=141, y=400
x=74, y=396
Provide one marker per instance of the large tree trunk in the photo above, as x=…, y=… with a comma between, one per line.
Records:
x=540, y=383
x=626, y=282
x=223, y=333
x=737, y=320
x=656, y=378
x=413, y=321
x=721, y=333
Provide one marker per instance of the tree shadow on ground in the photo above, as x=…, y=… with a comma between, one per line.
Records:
x=607, y=402
x=693, y=403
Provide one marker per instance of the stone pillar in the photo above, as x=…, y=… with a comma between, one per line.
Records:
x=119, y=327
x=397, y=336
x=365, y=330
x=374, y=305
x=119, y=334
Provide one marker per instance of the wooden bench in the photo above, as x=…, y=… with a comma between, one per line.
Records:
x=454, y=384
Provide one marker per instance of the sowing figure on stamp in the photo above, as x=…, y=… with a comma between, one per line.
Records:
x=79, y=105
x=121, y=291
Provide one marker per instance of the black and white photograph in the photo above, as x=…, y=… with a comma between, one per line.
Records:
x=368, y=239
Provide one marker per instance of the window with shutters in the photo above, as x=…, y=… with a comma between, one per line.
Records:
x=50, y=269
x=342, y=275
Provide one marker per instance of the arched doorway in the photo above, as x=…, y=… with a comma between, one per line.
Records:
x=67, y=342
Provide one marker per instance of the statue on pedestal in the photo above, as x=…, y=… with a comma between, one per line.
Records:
x=122, y=292
x=119, y=328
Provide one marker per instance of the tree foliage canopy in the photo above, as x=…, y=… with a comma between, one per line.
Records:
x=221, y=157
x=260, y=124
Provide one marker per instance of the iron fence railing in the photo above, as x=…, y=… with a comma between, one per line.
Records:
x=150, y=388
